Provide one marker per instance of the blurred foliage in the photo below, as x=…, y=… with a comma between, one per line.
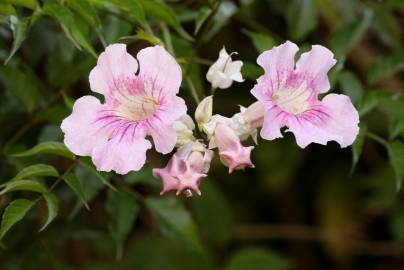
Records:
x=299, y=209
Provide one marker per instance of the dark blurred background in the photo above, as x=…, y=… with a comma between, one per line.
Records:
x=322, y=207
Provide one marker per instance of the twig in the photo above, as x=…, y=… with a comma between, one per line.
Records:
x=291, y=232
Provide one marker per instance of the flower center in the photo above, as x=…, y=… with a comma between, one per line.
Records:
x=293, y=100
x=136, y=107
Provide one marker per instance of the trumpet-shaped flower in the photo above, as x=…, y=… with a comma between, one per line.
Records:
x=290, y=96
x=224, y=71
x=185, y=169
x=231, y=151
x=136, y=105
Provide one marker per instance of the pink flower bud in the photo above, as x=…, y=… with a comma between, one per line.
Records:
x=185, y=169
x=231, y=151
x=254, y=115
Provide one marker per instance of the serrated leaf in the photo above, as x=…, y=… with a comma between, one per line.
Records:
x=87, y=164
x=262, y=42
x=14, y=212
x=74, y=183
x=19, y=29
x=70, y=26
x=55, y=148
x=256, y=259
x=142, y=35
x=201, y=17
x=371, y=100
x=396, y=129
x=23, y=185
x=36, y=170
x=53, y=208
x=386, y=66
x=175, y=221
x=123, y=210
x=163, y=12
x=396, y=156
x=349, y=35
x=357, y=146
x=302, y=18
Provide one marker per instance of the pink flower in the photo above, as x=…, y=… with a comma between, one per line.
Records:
x=113, y=133
x=185, y=169
x=290, y=97
x=231, y=151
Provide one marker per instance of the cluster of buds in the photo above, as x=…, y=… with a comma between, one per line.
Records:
x=192, y=159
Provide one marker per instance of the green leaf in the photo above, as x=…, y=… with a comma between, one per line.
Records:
x=371, y=100
x=142, y=35
x=7, y=9
x=262, y=42
x=396, y=156
x=396, y=129
x=357, y=146
x=70, y=25
x=163, y=12
x=53, y=208
x=133, y=8
x=388, y=28
x=350, y=85
x=386, y=66
x=75, y=184
x=87, y=164
x=302, y=18
x=86, y=11
x=257, y=259
x=349, y=35
x=213, y=214
x=224, y=13
x=22, y=84
x=23, y=185
x=55, y=148
x=201, y=17
x=14, y=212
x=31, y=4
x=175, y=221
x=123, y=210
x=19, y=29
x=36, y=170
x=251, y=70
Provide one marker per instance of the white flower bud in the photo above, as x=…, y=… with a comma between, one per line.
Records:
x=203, y=112
x=184, y=127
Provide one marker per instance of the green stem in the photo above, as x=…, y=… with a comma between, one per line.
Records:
x=377, y=138
x=193, y=90
x=167, y=38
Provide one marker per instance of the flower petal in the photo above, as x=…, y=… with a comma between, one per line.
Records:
x=278, y=63
x=81, y=134
x=314, y=65
x=337, y=121
x=164, y=136
x=273, y=122
x=121, y=155
x=112, y=64
x=160, y=67
x=172, y=109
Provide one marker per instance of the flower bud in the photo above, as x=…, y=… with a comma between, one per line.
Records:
x=203, y=112
x=231, y=151
x=184, y=127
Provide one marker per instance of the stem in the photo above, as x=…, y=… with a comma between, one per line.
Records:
x=193, y=90
x=295, y=232
x=167, y=38
x=377, y=138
